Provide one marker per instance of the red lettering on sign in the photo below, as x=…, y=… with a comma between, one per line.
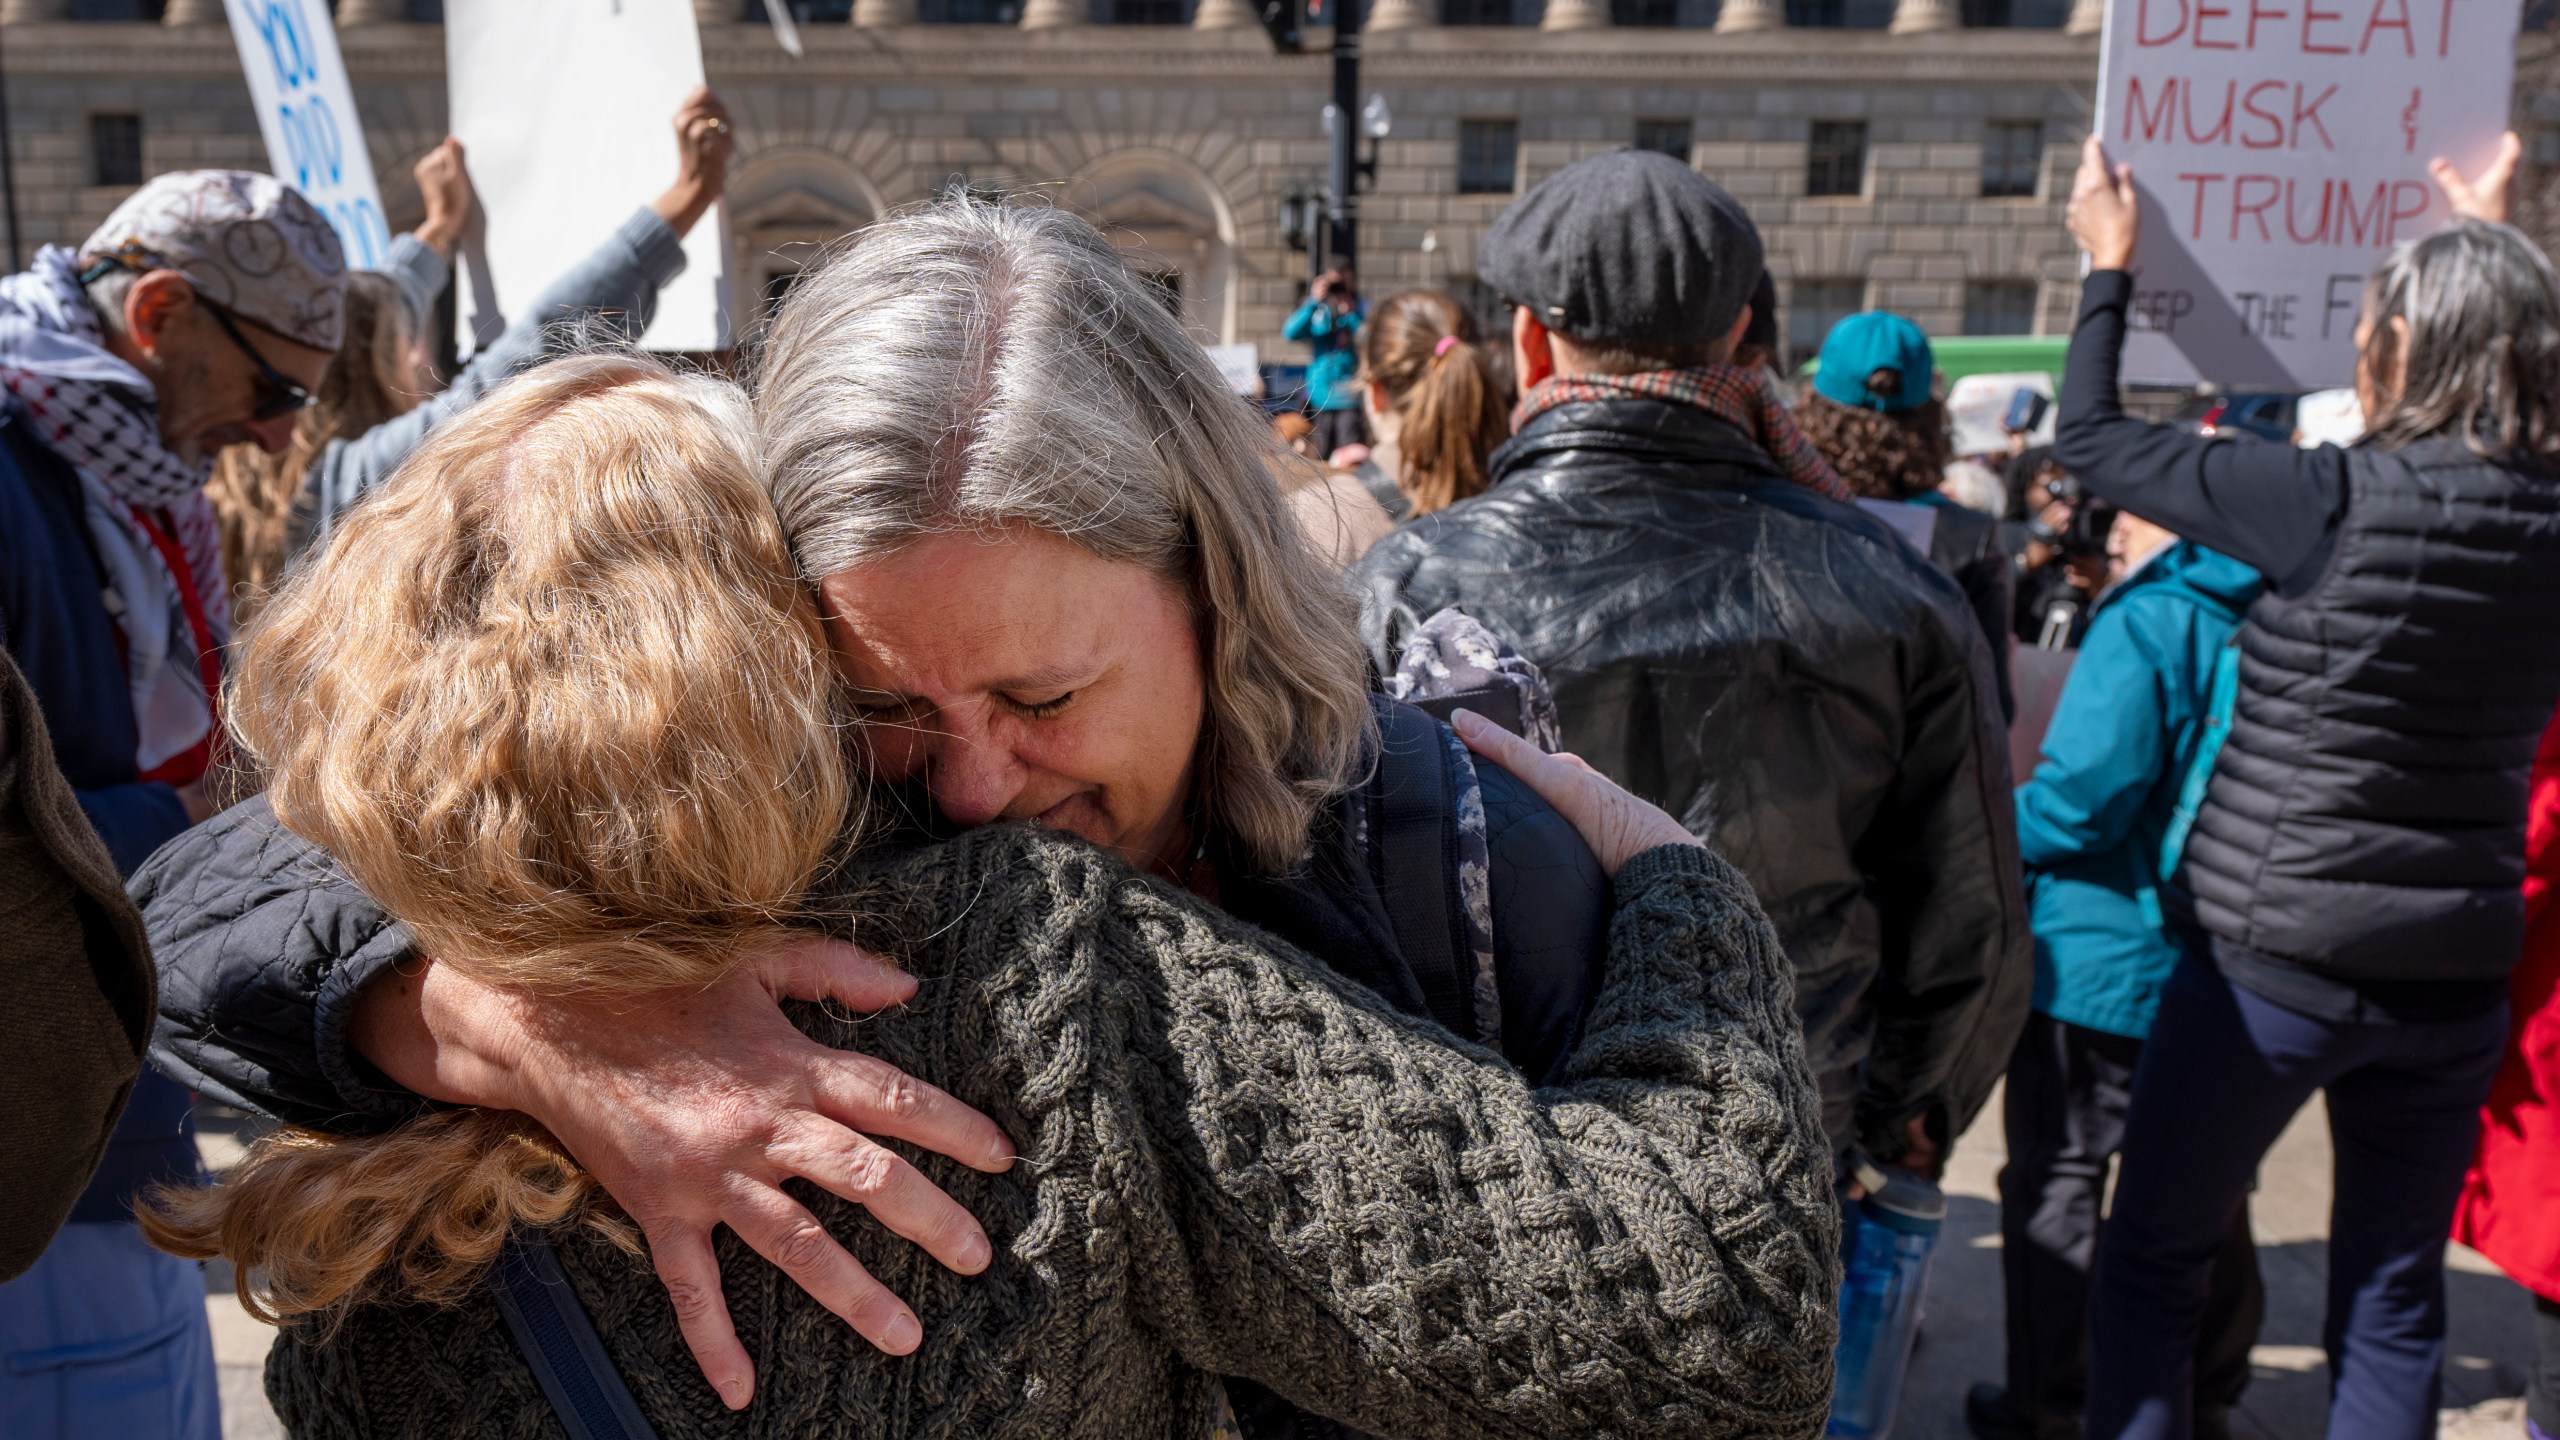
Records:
x=2311, y=113
x=2195, y=228
x=2275, y=122
x=2444, y=32
x=2206, y=12
x=2242, y=205
x=2221, y=131
x=2359, y=223
x=2408, y=202
x=2310, y=13
x=2408, y=41
x=2142, y=25
x=2258, y=12
x=2319, y=231
x=2157, y=120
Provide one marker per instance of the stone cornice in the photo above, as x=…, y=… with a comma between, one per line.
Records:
x=925, y=54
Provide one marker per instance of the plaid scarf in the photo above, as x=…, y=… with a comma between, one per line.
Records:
x=1745, y=398
x=98, y=413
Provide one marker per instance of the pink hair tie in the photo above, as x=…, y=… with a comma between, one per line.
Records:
x=1443, y=347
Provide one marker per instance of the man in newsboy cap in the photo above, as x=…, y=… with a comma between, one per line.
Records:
x=202, y=314
x=1728, y=639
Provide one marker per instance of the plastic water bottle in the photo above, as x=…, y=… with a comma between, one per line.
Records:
x=1885, y=1242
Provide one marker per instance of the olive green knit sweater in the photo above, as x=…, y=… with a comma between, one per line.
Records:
x=1236, y=1163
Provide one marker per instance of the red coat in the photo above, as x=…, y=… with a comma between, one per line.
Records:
x=2507, y=1212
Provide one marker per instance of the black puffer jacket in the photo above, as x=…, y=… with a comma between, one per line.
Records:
x=1798, y=686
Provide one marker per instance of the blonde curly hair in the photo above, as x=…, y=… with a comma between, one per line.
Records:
x=557, y=699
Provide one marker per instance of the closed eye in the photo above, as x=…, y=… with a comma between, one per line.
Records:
x=1040, y=709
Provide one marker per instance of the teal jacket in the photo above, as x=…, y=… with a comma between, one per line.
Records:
x=2093, y=819
x=1333, y=376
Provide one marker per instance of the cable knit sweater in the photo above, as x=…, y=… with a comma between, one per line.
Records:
x=1236, y=1163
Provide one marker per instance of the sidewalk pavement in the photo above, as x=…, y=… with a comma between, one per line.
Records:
x=2487, y=1360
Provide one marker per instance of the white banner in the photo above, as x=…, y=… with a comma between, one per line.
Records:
x=298, y=85
x=2280, y=148
x=566, y=112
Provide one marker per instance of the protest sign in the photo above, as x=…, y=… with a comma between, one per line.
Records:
x=306, y=112
x=2280, y=147
x=566, y=112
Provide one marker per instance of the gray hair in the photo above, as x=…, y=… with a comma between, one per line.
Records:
x=2483, y=349
x=968, y=367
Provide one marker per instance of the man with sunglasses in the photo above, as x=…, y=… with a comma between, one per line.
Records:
x=202, y=314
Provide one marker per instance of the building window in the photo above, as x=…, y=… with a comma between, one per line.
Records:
x=1166, y=286
x=1147, y=12
x=1836, y=161
x=807, y=12
x=1477, y=12
x=149, y=10
x=968, y=12
x=1814, y=306
x=1657, y=14
x=2000, y=307
x=2012, y=159
x=1488, y=157
x=115, y=149
x=1817, y=14
x=1664, y=137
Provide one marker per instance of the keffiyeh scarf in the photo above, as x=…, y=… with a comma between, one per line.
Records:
x=95, y=411
x=1743, y=397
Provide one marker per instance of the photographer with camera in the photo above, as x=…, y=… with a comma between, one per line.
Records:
x=2059, y=541
x=1328, y=321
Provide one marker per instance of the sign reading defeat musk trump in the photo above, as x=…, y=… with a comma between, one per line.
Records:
x=2280, y=147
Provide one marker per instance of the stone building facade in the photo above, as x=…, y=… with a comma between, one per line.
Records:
x=1894, y=155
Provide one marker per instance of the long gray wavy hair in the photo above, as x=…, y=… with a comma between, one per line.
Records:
x=2483, y=348
x=972, y=367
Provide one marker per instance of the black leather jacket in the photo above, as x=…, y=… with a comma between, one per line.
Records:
x=1805, y=692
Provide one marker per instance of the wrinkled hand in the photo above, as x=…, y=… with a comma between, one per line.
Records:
x=2483, y=196
x=1615, y=824
x=2104, y=214
x=444, y=183
x=692, y=1108
x=705, y=139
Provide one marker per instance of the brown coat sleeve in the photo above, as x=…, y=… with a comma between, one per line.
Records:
x=76, y=991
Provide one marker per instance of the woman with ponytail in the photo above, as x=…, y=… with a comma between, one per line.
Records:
x=1435, y=406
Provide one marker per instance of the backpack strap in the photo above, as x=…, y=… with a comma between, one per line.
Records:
x=2217, y=729
x=1417, y=857
x=559, y=1341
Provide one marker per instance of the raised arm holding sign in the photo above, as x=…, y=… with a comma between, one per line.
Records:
x=2281, y=147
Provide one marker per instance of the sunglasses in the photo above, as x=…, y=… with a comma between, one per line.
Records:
x=278, y=395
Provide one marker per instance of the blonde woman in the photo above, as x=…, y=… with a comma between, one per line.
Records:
x=557, y=700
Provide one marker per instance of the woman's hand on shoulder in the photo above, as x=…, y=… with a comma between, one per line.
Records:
x=1617, y=825
x=692, y=1108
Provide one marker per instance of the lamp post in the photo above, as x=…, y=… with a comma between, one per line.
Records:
x=1344, y=168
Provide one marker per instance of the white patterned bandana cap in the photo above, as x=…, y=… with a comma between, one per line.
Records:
x=248, y=242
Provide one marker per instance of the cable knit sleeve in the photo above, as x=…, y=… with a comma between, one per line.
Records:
x=1285, y=1179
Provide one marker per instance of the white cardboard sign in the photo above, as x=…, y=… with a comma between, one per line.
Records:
x=307, y=114
x=566, y=112
x=2280, y=147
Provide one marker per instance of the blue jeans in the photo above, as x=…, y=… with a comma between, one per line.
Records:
x=106, y=1339
x=2222, y=1073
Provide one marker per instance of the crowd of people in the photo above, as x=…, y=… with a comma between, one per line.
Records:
x=962, y=881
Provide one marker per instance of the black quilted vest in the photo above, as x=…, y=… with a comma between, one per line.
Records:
x=2366, y=818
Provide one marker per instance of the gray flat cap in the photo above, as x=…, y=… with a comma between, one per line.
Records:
x=1631, y=247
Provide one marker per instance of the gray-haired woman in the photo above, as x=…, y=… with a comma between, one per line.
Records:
x=2351, y=884
x=1063, y=587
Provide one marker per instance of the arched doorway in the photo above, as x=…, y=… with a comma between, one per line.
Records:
x=786, y=206
x=1173, y=227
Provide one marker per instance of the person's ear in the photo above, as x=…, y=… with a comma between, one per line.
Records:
x=1533, y=356
x=152, y=304
x=1732, y=336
